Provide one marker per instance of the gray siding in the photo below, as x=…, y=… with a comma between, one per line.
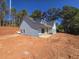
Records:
x=28, y=29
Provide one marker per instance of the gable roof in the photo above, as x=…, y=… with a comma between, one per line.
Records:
x=35, y=24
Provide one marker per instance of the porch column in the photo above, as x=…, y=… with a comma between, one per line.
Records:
x=46, y=30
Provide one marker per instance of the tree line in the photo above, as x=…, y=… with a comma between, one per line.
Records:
x=69, y=15
x=12, y=18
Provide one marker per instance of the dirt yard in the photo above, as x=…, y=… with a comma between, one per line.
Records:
x=8, y=30
x=58, y=46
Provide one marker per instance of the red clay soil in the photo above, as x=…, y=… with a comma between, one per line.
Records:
x=59, y=46
x=8, y=30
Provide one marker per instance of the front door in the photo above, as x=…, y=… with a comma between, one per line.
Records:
x=42, y=30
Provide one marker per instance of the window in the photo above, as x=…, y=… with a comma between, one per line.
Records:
x=22, y=30
x=42, y=30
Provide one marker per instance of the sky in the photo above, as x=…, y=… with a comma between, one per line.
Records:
x=43, y=5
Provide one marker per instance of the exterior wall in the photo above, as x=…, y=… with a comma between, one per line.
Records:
x=28, y=30
x=50, y=31
x=46, y=30
x=54, y=28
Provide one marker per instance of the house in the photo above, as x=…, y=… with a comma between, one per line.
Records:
x=31, y=27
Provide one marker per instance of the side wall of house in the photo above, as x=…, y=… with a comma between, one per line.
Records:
x=27, y=29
